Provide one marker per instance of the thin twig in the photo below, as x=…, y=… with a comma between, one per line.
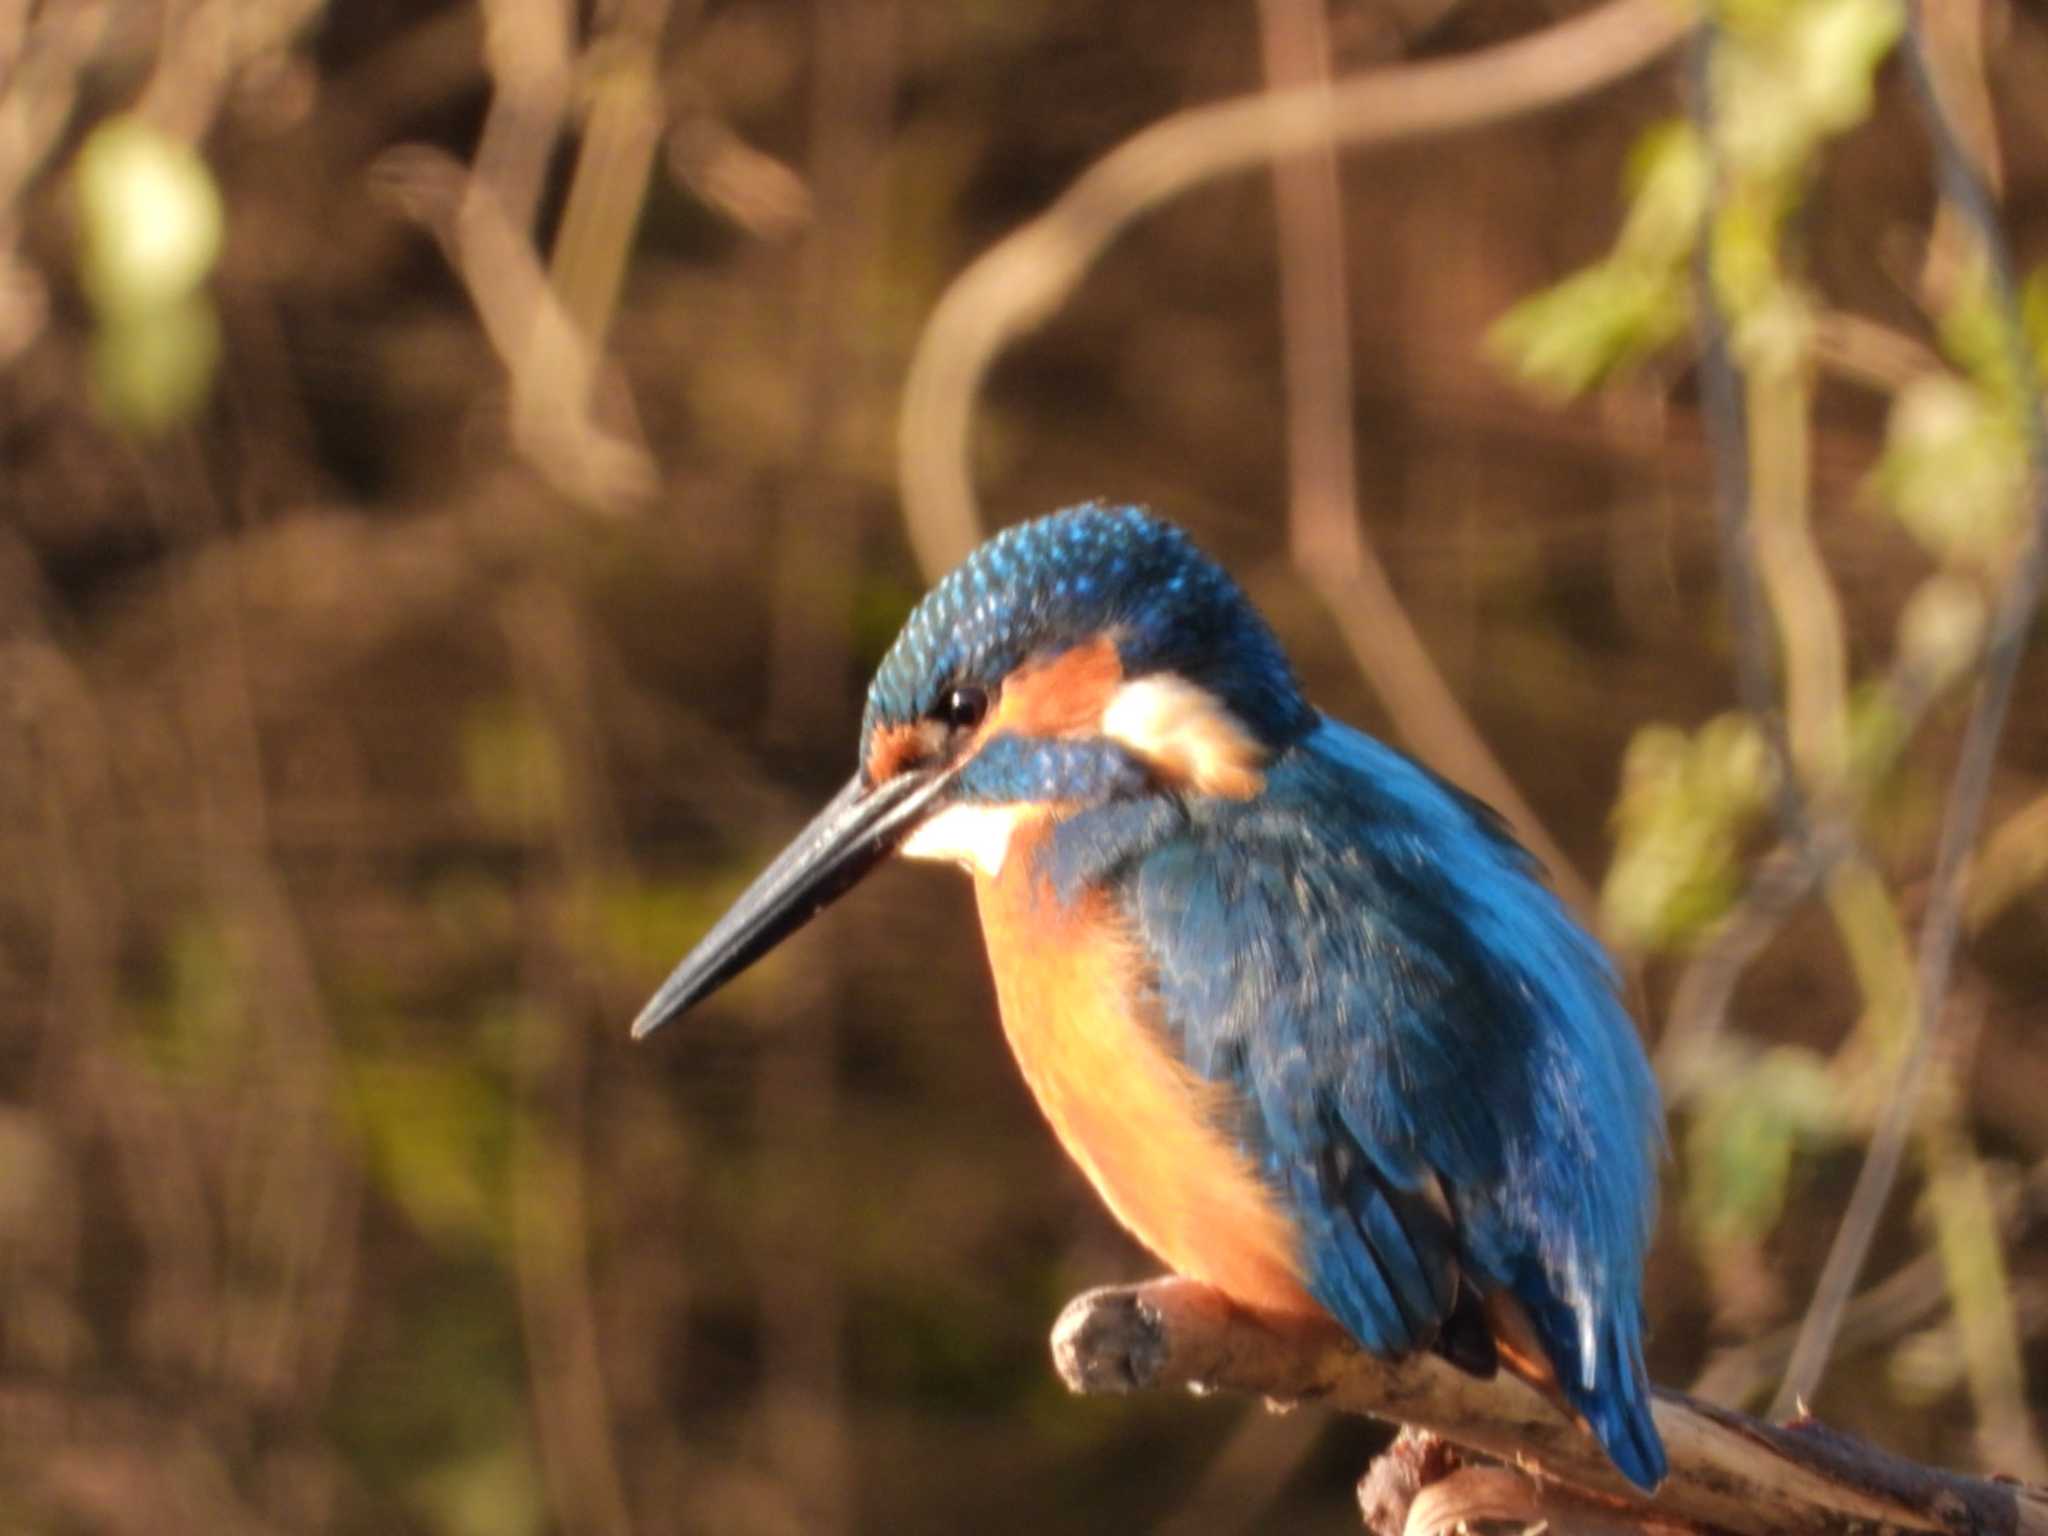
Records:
x=2014, y=616
x=1325, y=530
x=284, y=1188
x=544, y=637
x=1953, y=54
x=1725, y=422
x=558, y=379
x=546, y=327
x=1023, y=279
x=802, y=1423
x=1861, y=351
x=1699, y=1002
x=1903, y=1300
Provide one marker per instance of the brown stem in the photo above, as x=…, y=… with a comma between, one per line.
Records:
x=1729, y=1472
x=1025, y=277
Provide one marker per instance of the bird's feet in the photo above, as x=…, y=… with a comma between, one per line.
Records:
x=1176, y=1332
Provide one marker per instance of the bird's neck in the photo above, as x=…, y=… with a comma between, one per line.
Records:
x=976, y=837
x=1070, y=849
x=1091, y=847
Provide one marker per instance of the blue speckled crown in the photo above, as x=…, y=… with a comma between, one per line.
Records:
x=1044, y=586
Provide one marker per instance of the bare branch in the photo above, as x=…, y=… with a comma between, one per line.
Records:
x=1324, y=527
x=1725, y=419
x=1421, y=1488
x=1327, y=534
x=1903, y=1300
x=1729, y=1473
x=1024, y=278
x=1965, y=187
x=547, y=325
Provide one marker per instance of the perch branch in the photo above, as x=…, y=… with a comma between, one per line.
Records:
x=1729, y=1473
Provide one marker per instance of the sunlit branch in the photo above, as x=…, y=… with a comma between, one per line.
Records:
x=1729, y=1473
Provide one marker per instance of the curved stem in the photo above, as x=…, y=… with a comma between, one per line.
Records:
x=1025, y=277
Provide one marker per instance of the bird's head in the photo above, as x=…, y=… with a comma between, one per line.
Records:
x=1087, y=656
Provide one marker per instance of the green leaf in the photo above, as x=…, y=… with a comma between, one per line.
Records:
x=1788, y=76
x=1616, y=313
x=1669, y=179
x=153, y=368
x=1973, y=336
x=1686, y=806
x=438, y=1135
x=2034, y=316
x=1568, y=338
x=149, y=216
x=1752, y=1117
x=1954, y=471
x=1942, y=627
x=1836, y=47
x=513, y=768
x=199, y=1024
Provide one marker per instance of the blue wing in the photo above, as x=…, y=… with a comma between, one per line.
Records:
x=1434, y=1069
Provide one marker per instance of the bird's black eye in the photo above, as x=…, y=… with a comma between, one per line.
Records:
x=961, y=709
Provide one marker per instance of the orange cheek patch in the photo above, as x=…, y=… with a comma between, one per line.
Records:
x=1061, y=697
x=895, y=748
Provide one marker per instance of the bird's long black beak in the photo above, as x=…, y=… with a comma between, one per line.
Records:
x=861, y=827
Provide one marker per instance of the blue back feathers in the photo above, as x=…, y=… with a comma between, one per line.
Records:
x=1413, y=1021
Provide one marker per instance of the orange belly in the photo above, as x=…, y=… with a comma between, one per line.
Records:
x=1138, y=1122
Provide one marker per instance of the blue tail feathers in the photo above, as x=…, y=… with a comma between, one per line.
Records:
x=1615, y=1402
x=1618, y=1412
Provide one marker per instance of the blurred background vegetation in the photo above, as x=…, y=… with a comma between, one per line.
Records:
x=451, y=507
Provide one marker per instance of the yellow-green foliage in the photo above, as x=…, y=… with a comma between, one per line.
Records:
x=437, y=1132
x=1687, y=807
x=512, y=768
x=1753, y=1112
x=1955, y=471
x=1618, y=311
x=150, y=226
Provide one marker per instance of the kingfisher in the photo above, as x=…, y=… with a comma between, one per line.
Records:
x=1304, y=1013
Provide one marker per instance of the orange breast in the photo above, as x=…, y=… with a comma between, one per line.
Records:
x=1137, y=1121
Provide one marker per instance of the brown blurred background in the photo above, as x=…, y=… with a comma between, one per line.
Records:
x=418, y=620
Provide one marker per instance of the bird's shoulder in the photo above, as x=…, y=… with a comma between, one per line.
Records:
x=1357, y=884
x=1301, y=952
x=1320, y=935
x=1434, y=1066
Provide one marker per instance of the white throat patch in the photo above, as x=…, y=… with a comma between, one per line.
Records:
x=977, y=837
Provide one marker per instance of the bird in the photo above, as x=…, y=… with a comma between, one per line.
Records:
x=1305, y=1014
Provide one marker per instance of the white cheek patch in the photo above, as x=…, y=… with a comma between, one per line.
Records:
x=975, y=836
x=1186, y=735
